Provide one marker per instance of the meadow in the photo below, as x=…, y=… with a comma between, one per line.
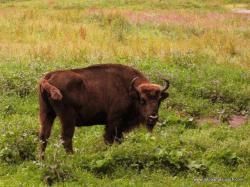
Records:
x=201, y=46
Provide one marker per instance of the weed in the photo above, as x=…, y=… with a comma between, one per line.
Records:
x=18, y=146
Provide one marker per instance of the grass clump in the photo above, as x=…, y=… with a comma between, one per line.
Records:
x=55, y=172
x=118, y=25
x=18, y=146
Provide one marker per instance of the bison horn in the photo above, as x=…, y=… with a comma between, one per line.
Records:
x=166, y=85
x=133, y=82
x=132, y=88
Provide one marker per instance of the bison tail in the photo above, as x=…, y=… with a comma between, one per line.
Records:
x=52, y=90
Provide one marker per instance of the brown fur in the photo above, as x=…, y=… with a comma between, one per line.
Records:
x=99, y=94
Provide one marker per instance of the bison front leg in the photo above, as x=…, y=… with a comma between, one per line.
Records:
x=113, y=132
x=119, y=137
x=67, y=136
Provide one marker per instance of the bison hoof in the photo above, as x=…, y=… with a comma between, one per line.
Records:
x=118, y=140
x=108, y=141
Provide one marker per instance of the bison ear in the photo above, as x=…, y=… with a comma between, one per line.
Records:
x=164, y=95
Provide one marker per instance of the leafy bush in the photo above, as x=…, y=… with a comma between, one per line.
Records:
x=175, y=161
x=21, y=80
x=56, y=172
x=18, y=146
x=228, y=157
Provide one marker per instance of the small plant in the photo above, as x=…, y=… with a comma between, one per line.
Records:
x=198, y=167
x=224, y=115
x=119, y=26
x=19, y=83
x=8, y=110
x=229, y=158
x=56, y=172
x=53, y=169
x=18, y=146
x=82, y=33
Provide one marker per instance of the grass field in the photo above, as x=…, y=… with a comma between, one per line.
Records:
x=199, y=45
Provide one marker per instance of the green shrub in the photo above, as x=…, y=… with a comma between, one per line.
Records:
x=18, y=146
x=56, y=172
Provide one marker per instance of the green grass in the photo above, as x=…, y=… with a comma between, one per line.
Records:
x=207, y=65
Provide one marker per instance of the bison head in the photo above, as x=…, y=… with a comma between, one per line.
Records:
x=148, y=98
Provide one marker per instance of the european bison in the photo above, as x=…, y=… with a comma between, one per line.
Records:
x=112, y=94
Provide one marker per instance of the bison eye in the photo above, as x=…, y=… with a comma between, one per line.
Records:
x=143, y=102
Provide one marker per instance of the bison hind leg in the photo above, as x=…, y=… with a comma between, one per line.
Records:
x=47, y=117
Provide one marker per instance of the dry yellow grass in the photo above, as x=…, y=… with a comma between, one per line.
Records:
x=49, y=33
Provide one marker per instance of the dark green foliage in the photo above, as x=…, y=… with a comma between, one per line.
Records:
x=56, y=172
x=18, y=146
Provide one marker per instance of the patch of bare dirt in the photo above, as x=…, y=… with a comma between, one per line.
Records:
x=241, y=11
x=208, y=120
x=7, y=11
x=234, y=121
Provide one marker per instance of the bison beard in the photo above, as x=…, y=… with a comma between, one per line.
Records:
x=117, y=96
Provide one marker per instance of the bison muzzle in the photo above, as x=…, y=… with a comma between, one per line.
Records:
x=117, y=96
